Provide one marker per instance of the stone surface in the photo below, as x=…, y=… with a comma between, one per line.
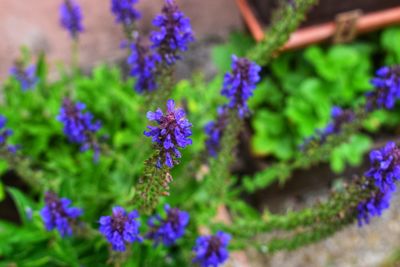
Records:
x=36, y=25
x=370, y=246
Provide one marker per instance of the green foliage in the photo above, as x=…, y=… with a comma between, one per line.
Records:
x=301, y=87
x=351, y=152
x=305, y=86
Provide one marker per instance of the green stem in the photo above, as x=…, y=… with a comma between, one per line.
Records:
x=287, y=20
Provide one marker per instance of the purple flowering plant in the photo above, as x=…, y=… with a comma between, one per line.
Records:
x=212, y=250
x=172, y=132
x=174, y=33
x=79, y=126
x=121, y=228
x=124, y=11
x=26, y=77
x=58, y=214
x=71, y=17
x=192, y=149
x=169, y=229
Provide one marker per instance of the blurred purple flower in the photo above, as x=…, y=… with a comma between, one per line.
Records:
x=79, y=126
x=387, y=88
x=120, y=228
x=240, y=83
x=168, y=230
x=124, y=11
x=174, y=34
x=57, y=213
x=71, y=17
x=25, y=76
x=143, y=66
x=211, y=250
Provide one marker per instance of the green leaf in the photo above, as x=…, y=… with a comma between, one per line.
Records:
x=21, y=201
x=390, y=41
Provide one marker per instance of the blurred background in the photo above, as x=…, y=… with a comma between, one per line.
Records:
x=37, y=27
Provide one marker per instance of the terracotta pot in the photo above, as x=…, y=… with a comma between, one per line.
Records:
x=361, y=23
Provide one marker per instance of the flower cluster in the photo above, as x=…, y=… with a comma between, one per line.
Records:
x=172, y=132
x=4, y=134
x=57, y=213
x=387, y=88
x=25, y=76
x=71, y=17
x=214, y=131
x=212, y=251
x=124, y=11
x=385, y=169
x=79, y=126
x=120, y=228
x=384, y=172
x=168, y=230
x=143, y=65
x=240, y=83
x=340, y=117
x=373, y=206
x=174, y=34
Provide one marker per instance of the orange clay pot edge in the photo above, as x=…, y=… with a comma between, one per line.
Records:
x=251, y=20
x=315, y=34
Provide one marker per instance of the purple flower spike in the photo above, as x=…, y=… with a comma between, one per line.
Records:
x=373, y=206
x=211, y=251
x=143, y=67
x=79, y=126
x=57, y=213
x=387, y=88
x=385, y=167
x=124, y=11
x=172, y=132
x=170, y=229
x=71, y=17
x=340, y=117
x=240, y=84
x=214, y=131
x=120, y=228
x=174, y=34
x=25, y=76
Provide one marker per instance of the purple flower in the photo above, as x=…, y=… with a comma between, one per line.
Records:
x=340, y=117
x=124, y=11
x=168, y=230
x=387, y=88
x=174, y=34
x=57, y=213
x=120, y=228
x=143, y=67
x=79, y=126
x=71, y=17
x=211, y=251
x=385, y=168
x=214, y=131
x=172, y=132
x=25, y=76
x=240, y=83
x=373, y=206
x=4, y=135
